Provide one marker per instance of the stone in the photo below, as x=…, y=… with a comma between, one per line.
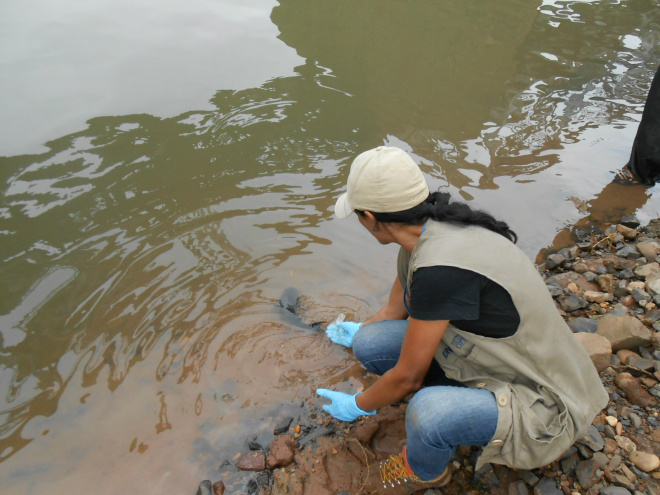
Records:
x=253, y=461
x=601, y=460
x=572, y=302
x=597, y=297
x=281, y=451
x=547, y=486
x=607, y=283
x=625, y=443
x=218, y=488
x=629, y=252
x=282, y=426
x=518, y=488
x=640, y=363
x=205, y=488
x=486, y=475
x=569, y=462
x=592, y=439
x=580, y=325
x=627, y=232
x=554, y=260
x=614, y=490
x=624, y=355
x=649, y=249
x=635, y=393
x=647, y=270
x=598, y=348
x=365, y=431
x=612, y=421
x=624, y=332
x=641, y=295
x=644, y=461
x=528, y=477
x=630, y=221
x=586, y=473
x=635, y=420
x=652, y=286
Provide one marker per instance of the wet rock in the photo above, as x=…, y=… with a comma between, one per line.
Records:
x=570, y=461
x=652, y=286
x=625, y=443
x=630, y=221
x=205, y=488
x=649, y=249
x=583, y=325
x=607, y=283
x=317, y=433
x=624, y=332
x=597, y=297
x=282, y=426
x=554, y=260
x=285, y=483
x=627, y=232
x=253, y=461
x=644, y=461
x=547, y=486
x=572, y=302
x=281, y=452
x=529, y=477
x=365, y=431
x=218, y=488
x=629, y=252
x=614, y=490
x=486, y=475
x=647, y=270
x=518, y=488
x=592, y=439
x=586, y=473
x=598, y=348
x=635, y=393
x=365, y=456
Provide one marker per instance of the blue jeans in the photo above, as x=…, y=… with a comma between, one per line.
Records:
x=439, y=417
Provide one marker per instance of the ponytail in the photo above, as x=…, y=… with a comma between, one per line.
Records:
x=439, y=206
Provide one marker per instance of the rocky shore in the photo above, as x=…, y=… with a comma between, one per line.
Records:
x=607, y=287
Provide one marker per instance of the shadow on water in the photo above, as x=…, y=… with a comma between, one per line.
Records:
x=144, y=258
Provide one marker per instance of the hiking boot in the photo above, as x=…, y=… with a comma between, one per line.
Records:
x=394, y=477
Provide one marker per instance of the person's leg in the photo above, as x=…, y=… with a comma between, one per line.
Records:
x=439, y=419
x=645, y=155
x=378, y=346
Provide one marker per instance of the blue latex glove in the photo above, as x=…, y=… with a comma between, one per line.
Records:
x=343, y=405
x=343, y=332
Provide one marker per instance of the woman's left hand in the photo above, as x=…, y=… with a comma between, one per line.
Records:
x=343, y=405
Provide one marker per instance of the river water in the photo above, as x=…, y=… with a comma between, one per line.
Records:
x=169, y=169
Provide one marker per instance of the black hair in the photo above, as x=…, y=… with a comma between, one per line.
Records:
x=438, y=206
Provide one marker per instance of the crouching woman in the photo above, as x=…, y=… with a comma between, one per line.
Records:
x=470, y=318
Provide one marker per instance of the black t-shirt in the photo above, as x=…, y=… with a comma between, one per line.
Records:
x=471, y=302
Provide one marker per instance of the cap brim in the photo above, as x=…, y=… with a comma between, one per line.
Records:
x=342, y=208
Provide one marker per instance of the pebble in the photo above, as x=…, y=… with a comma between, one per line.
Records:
x=645, y=461
x=612, y=421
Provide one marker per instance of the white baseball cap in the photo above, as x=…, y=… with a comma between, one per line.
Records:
x=382, y=180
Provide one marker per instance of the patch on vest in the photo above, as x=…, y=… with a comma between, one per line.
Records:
x=446, y=352
x=458, y=341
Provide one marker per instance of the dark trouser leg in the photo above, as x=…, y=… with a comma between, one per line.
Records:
x=645, y=155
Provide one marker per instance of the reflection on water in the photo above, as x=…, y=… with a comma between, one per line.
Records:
x=144, y=257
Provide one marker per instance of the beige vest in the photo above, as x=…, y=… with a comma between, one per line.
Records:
x=547, y=389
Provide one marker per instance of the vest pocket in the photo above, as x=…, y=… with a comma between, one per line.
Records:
x=542, y=412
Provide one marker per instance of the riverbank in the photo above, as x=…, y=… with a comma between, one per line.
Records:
x=607, y=287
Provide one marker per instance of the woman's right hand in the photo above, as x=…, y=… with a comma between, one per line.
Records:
x=342, y=333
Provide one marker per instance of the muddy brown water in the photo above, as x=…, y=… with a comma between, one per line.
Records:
x=169, y=170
